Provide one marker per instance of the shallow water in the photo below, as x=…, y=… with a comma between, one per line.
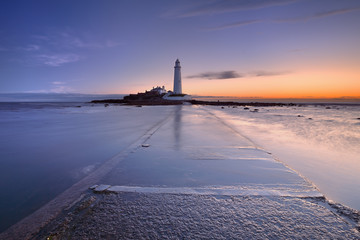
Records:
x=47, y=147
x=321, y=142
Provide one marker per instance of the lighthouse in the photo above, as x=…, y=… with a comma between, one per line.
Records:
x=177, y=94
x=177, y=78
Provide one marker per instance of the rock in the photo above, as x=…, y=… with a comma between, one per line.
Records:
x=93, y=187
x=101, y=188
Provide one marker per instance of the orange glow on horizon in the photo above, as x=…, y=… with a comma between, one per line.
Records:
x=316, y=84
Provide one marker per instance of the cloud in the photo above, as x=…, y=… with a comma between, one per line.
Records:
x=58, y=83
x=57, y=60
x=220, y=6
x=235, y=24
x=66, y=39
x=262, y=73
x=336, y=12
x=57, y=87
x=69, y=40
x=319, y=15
x=53, y=49
x=61, y=89
x=298, y=19
x=217, y=75
x=234, y=74
x=40, y=37
x=30, y=48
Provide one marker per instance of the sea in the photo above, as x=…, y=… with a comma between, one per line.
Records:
x=48, y=142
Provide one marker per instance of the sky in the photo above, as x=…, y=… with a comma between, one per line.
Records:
x=242, y=48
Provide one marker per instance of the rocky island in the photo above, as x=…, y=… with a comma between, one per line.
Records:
x=153, y=97
x=159, y=96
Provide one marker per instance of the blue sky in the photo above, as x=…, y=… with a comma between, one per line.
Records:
x=279, y=48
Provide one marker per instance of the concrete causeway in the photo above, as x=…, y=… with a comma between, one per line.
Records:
x=195, y=152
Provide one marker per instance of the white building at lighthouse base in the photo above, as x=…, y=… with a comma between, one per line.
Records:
x=176, y=97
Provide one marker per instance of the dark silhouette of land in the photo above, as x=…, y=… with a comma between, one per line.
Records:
x=154, y=98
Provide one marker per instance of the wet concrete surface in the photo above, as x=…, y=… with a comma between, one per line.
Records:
x=194, y=148
x=180, y=216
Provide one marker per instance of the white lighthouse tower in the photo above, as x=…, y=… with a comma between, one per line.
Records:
x=177, y=94
x=177, y=78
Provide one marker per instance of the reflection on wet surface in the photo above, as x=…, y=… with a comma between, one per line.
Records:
x=196, y=149
x=177, y=126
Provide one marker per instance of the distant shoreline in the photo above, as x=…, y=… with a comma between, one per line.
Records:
x=192, y=102
x=212, y=103
x=156, y=98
